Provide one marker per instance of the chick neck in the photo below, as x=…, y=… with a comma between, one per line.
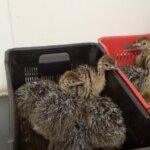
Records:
x=101, y=71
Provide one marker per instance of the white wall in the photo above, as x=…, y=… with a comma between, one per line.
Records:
x=47, y=22
x=5, y=39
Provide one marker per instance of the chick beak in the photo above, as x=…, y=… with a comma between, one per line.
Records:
x=137, y=45
x=114, y=68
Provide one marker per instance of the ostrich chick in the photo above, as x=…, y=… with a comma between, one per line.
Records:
x=103, y=125
x=85, y=81
x=26, y=97
x=55, y=113
x=49, y=111
x=143, y=59
x=135, y=75
x=145, y=89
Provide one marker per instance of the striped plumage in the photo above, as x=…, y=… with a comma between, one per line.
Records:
x=100, y=126
x=55, y=115
x=106, y=128
x=73, y=120
x=48, y=110
x=83, y=81
x=135, y=74
x=29, y=94
x=139, y=74
x=145, y=88
x=28, y=138
x=143, y=59
x=99, y=114
x=26, y=97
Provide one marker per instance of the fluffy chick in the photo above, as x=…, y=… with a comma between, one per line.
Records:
x=102, y=118
x=85, y=81
x=76, y=139
x=29, y=94
x=135, y=75
x=106, y=128
x=28, y=138
x=145, y=88
x=143, y=59
x=100, y=126
x=55, y=114
x=50, y=112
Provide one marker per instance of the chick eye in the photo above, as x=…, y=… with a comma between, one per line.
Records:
x=144, y=43
x=106, y=65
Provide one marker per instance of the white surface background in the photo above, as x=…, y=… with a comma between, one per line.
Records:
x=48, y=22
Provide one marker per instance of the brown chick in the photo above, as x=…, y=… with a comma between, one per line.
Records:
x=145, y=88
x=106, y=63
x=143, y=59
x=85, y=81
x=101, y=123
x=146, y=95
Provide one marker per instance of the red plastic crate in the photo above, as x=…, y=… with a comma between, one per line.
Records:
x=119, y=47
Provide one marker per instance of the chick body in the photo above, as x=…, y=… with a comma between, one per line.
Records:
x=27, y=97
x=145, y=88
x=102, y=119
x=28, y=138
x=49, y=111
x=84, y=82
x=106, y=128
x=29, y=94
x=55, y=115
x=143, y=59
x=135, y=74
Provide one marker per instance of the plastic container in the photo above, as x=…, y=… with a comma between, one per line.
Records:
x=120, y=48
x=29, y=64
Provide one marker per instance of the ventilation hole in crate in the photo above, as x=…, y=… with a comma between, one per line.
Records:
x=31, y=74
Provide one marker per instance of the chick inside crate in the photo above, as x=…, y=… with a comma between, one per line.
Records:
x=127, y=54
x=24, y=65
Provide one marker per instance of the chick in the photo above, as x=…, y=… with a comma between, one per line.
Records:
x=101, y=118
x=55, y=114
x=50, y=112
x=85, y=81
x=26, y=97
x=76, y=139
x=106, y=128
x=28, y=138
x=100, y=125
x=142, y=43
x=143, y=59
x=29, y=94
x=145, y=88
x=135, y=75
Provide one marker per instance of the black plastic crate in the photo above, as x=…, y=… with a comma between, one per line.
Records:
x=30, y=64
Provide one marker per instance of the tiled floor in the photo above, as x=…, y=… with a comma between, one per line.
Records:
x=4, y=122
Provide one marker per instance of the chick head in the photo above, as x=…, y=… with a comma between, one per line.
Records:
x=142, y=43
x=69, y=81
x=107, y=63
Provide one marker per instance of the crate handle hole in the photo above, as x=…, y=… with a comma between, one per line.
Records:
x=52, y=58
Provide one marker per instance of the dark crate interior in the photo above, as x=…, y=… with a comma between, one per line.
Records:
x=30, y=64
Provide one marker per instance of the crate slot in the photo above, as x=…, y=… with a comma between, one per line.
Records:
x=30, y=74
